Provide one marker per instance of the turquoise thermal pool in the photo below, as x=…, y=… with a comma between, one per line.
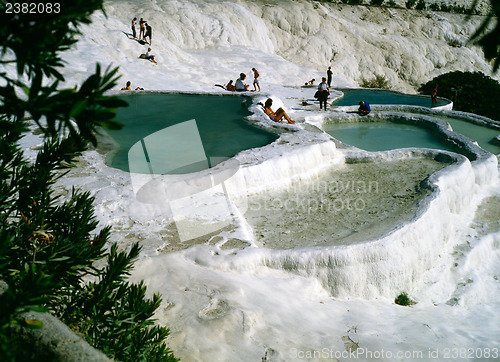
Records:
x=483, y=135
x=383, y=136
x=353, y=96
x=181, y=133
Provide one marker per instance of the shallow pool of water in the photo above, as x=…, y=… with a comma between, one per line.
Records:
x=383, y=136
x=345, y=205
x=353, y=96
x=484, y=136
x=181, y=133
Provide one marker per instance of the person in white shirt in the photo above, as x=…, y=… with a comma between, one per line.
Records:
x=240, y=86
x=150, y=57
x=322, y=93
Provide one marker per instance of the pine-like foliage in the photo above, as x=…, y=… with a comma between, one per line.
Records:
x=48, y=242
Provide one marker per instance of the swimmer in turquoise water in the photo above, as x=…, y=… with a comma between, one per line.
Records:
x=127, y=86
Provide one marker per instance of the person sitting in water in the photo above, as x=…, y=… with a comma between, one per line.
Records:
x=311, y=82
x=240, y=86
x=364, y=108
x=127, y=86
x=276, y=116
x=150, y=57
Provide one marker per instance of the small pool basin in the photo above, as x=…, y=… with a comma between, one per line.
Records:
x=377, y=96
x=383, y=136
x=182, y=133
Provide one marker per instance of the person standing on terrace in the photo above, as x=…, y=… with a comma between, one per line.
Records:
x=434, y=97
x=134, y=34
x=142, y=29
x=255, y=79
x=322, y=93
x=329, y=75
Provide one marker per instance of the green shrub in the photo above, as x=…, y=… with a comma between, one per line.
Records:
x=48, y=242
x=410, y=4
x=421, y=5
x=378, y=81
x=404, y=299
x=434, y=7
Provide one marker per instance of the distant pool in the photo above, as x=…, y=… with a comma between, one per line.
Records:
x=181, y=133
x=383, y=136
x=376, y=96
x=483, y=135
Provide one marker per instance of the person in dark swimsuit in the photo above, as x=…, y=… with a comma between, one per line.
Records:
x=329, y=75
x=149, y=34
x=434, y=96
x=142, y=29
x=134, y=21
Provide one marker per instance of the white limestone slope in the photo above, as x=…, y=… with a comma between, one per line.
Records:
x=202, y=42
x=246, y=304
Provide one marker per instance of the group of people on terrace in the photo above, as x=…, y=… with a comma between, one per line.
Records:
x=145, y=31
x=322, y=93
x=240, y=85
x=145, y=34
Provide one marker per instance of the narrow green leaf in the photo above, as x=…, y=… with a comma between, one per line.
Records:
x=78, y=108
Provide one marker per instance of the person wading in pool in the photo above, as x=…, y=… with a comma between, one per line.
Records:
x=276, y=116
x=127, y=86
x=434, y=96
